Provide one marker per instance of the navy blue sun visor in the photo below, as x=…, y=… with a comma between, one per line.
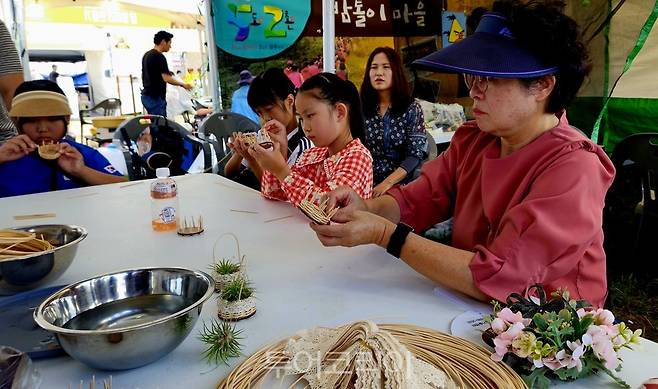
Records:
x=491, y=51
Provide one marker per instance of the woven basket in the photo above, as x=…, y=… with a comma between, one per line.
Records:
x=467, y=364
x=236, y=310
x=223, y=279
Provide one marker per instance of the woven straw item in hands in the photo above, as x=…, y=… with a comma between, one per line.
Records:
x=49, y=151
x=318, y=213
x=253, y=138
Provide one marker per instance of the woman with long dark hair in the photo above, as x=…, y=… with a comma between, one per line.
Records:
x=395, y=129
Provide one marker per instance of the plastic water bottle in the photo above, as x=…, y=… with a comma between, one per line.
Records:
x=164, y=201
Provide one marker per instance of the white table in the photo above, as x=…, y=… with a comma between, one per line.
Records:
x=299, y=283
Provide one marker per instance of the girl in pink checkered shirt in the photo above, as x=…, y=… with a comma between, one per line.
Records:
x=330, y=111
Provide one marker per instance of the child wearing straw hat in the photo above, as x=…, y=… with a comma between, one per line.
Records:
x=40, y=158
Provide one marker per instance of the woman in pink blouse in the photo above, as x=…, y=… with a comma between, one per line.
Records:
x=525, y=189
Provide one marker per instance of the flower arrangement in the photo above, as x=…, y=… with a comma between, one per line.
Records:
x=560, y=338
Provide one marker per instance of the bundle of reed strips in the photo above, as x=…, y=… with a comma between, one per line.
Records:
x=14, y=244
x=467, y=364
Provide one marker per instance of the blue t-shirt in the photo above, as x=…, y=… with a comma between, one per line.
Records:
x=240, y=105
x=32, y=174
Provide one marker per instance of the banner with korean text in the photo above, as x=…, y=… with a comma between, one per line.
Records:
x=363, y=18
x=259, y=29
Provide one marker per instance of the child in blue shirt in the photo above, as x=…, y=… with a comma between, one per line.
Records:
x=41, y=113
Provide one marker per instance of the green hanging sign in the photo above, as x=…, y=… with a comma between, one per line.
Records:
x=259, y=29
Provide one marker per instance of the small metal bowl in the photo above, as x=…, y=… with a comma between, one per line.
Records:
x=126, y=319
x=31, y=271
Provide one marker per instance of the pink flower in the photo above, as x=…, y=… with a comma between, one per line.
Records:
x=498, y=325
x=577, y=351
x=564, y=359
x=505, y=318
x=600, y=316
x=554, y=362
x=510, y=317
x=598, y=338
x=582, y=313
x=503, y=341
x=603, y=317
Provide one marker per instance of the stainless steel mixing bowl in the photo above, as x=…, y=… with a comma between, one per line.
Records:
x=31, y=271
x=126, y=319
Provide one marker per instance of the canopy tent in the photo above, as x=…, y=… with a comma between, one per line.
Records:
x=56, y=55
x=633, y=105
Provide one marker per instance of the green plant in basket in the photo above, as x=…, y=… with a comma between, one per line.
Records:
x=225, y=267
x=559, y=338
x=238, y=289
x=223, y=341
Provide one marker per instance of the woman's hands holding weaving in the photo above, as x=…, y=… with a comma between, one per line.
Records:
x=358, y=227
x=347, y=200
x=354, y=225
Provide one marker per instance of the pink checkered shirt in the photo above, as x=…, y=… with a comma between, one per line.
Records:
x=316, y=172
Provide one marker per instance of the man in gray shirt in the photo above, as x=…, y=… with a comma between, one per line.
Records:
x=11, y=75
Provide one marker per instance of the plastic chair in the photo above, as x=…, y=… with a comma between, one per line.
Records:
x=134, y=127
x=110, y=107
x=634, y=194
x=432, y=148
x=218, y=127
x=431, y=153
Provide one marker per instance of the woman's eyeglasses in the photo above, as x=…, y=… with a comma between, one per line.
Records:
x=481, y=81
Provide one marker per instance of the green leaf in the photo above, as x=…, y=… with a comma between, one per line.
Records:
x=567, y=374
x=594, y=364
x=238, y=289
x=540, y=322
x=585, y=322
x=225, y=266
x=537, y=379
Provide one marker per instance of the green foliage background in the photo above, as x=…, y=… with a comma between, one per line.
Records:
x=307, y=48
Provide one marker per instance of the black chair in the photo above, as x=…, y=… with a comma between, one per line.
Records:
x=218, y=127
x=108, y=107
x=631, y=209
x=133, y=127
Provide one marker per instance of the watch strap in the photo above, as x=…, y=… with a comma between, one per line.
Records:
x=397, y=239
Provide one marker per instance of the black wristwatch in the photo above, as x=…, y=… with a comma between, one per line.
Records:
x=398, y=238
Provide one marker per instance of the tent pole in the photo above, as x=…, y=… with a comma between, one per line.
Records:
x=15, y=21
x=213, y=71
x=328, y=36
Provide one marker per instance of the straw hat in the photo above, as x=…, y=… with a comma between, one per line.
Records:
x=39, y=98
